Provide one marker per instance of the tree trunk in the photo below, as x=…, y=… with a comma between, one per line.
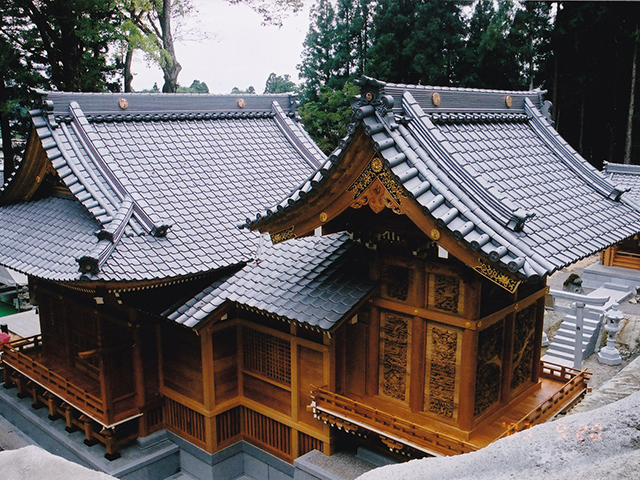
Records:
x=170, y=67
x=632, y=101
x=7, y=147
x=128, y=76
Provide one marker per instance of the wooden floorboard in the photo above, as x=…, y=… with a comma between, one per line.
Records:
x=80, y=379
x=493, y=430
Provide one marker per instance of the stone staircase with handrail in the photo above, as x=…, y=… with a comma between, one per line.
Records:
x=583, y=318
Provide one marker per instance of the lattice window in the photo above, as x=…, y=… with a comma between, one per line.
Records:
x=267, y=355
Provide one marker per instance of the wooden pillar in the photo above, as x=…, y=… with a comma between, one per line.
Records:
x=537, y=350
x=507, y=357
x=138, y=378
x=87, y=427
x=468, y=361
x=418, y=359
x=371, y=386
x=208, y=379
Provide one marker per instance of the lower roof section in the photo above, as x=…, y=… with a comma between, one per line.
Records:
x=315, y=281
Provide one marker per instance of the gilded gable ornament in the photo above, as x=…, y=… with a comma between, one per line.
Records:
x=376, y=187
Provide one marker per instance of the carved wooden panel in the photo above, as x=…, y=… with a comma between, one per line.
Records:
x=395, y=337
x=440, y=383
x=397, y=282
x=523, y=345
x=446, y=292
x=489, y=367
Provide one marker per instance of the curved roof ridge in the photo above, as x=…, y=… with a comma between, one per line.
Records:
x=303, y=144
x=150, y=225
x=108, y=238
x=464, y=89
x=427, y=134
x=165, y=103
x=571, y=158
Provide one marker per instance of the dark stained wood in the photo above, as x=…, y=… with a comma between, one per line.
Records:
x=30, y=174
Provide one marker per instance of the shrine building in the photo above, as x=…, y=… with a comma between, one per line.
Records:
x=206, y=276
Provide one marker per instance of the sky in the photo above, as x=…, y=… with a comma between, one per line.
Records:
x=236, y=51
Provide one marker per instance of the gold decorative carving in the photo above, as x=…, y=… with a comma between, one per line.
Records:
x=394, y=343
x=241, y=103
x=376, y=187
x=523, y=345
x=446, y=293
x=282, y=235
x=377, y=165
x=123, y=103
x=489, y=367
x=435, y=98
x=397, y=282
x=442, y=372
x=377, y=197
x=323, y=217
x=368, y=96
x=496, y=276
x=435, y=234
x=508, y=101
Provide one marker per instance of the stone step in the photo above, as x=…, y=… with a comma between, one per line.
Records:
x=569, y=340
x=560, y=359
x=562, y=349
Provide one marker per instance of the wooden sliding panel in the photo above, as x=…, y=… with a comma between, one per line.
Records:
x=182, y=362
x=225, y=364
x=310, y=372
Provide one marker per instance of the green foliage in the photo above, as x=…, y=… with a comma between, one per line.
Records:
x=327, y=117
x=417, y=42
x=277, y=84
x=250, y=90
x=196, y=87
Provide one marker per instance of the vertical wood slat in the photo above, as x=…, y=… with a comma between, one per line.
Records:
x=186, y=421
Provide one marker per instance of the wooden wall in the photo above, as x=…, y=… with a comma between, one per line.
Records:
x=246, y=378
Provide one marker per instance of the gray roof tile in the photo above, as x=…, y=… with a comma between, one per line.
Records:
x=521, y=187
x=314, y=281
x=200, y=176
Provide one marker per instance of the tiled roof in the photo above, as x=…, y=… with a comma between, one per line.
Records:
x=167, y=179
x=313, y=281
x=489, y=167
x=626, y=177
x=44, y=237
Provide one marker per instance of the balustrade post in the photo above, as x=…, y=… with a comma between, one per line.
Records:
x=68, y=418
x=577, y=361
x=87, y=426
x=111, y=444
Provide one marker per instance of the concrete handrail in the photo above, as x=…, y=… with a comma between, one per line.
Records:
x=577, y=297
